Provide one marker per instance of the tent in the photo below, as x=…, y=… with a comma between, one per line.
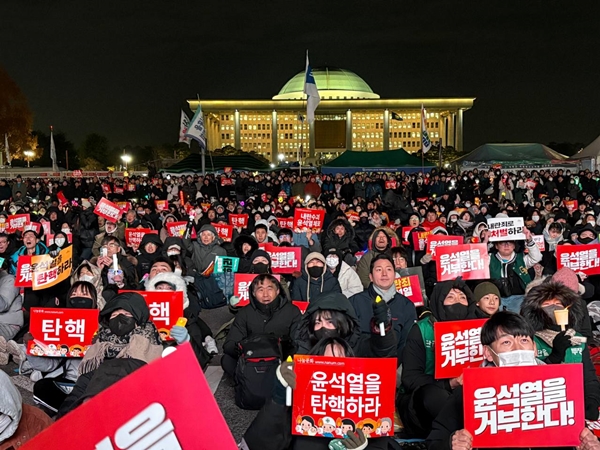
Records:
x=589, y=155
x=383, y=161
x=193, y=164
x=514, y=156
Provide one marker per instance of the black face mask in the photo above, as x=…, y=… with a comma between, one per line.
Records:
x=315, y=271
x=261, y=268
x=586, y=240
x=121, y=325
x=364, y=220
x=81, y=302
x=457, y=311
x=323, y=333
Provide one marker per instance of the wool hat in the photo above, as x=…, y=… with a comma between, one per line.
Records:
x=568, y=278
x=485, y=288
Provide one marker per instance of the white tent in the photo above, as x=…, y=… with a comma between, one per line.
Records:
x=590, y=153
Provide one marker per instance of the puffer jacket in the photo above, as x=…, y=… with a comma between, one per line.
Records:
x=349, y=281
x=97, y=281
x=172, y=278
x=11, y=302
x=245, y=265
x=306, y=288
x=146, y=259
x=364, y=265
x=204, y=255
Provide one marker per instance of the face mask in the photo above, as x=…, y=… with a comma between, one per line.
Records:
x=286, y=208
x=586, y=240
x=59, y=242
x=141, y=213
x=261, y=268
x=178, y=271
x=453, y=219
x=121, y=325
x=468, y=205
x=592, y=223
x=66, y=230
x=111, y=231
x=535, y=218
x=81, y=302
x=323, y=333
x=172, y=253
x=516, y=358
x=88, y=278
x=457, y=311
x=315, y=271
x=332, y=261
x=549, y=310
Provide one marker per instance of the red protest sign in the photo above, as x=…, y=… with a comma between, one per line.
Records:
x=405, y=234
x=330, y=389
x=308, y=219
x=124, y=206
x=107, y=209
x=106, y=188
x=419, y=239
x=580, y=258
x=410, y=287
x=62, y=199
x=391, y=184
x=352, y=216
x=238, y=220
x=155, y=414
x=226, y=181
x=46, y=227
x=177, y=229
x=457, y=346
x=434, y=240
x=422, y=199
x=225, y=232
x=77, y=174
x=284, y=259
x=134, y=236
x=37, y=227
x=165, y=308
x=14, y=223
x=131, y=187
x=24, y=272
x=302, y=306
x=65, y=332
x=470, y=261
x=161, y=205
x=241, y=286
x=524, y=405
x=539, y=241
x=226, y=169
x=205, y=206
x=119, y=190
x=571, y=205
x=285, y=222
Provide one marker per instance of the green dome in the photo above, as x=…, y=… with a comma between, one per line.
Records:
x=332, y=83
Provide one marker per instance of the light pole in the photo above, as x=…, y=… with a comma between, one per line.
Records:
x=29, y=154
x=126, y=159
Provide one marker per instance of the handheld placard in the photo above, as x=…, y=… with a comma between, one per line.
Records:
x=381, y=324
x=288, y=390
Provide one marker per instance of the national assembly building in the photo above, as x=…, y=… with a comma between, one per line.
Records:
x=350, y=117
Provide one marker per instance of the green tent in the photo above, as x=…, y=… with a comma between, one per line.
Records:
x=193, y=164
x=383, y=161
x=511, y=155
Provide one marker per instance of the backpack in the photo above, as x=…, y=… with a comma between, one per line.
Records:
x=260, y=356
x=210, y=294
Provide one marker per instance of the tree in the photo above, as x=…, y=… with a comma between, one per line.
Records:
x=16, y=119
x=64, y=149
x=229, y=150
x=95, y=146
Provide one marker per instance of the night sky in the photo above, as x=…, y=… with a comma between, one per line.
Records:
x=125, y=68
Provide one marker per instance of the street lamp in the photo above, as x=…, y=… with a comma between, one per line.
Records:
x=29, y=154
x=126, y=159
x=281, y=157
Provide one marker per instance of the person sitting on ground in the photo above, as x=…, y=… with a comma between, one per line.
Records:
x=315, y=279
x=11, y=312
x=150, y=248
x=124, y=278
x=205, y=248
x=381, y=241
x=347, y=277
x=244, y=246
x=487, y=301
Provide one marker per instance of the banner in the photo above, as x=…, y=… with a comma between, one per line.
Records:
x=434, y=240
x=225, y=232
x=506, y=229
x=161, y=205
x=470, y=261
x=134, y=236
x=77, y=174
x=50, y=239
x=35, y=226
x=65, y=332
x=119, y=190
x=165, y=308
x=337, y=395
x=284, y=259
x=285, y=222
x=308, y=219
x=49, y=271
x=410, y=287
x=580, y=258
x=457, y=346
x=238, y=220
x=142, y=411
x=226, y=181
x=571, y=205
x=226, y=264
x=419, y=240
x=241, y=288
x=539, y=241
x=391, y=184
x=107, y=209
x=525, y=406
x=24, y=272
x=177, y=229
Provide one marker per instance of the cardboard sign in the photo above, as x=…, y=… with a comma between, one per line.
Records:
x=161, y=205
x=241, y=287
x=391, y=184
x=434, y=241
x=107, y=209
x=284, y=259
x=37, y=227
x=177, y=229
x=24, y=272
x=540, y=242
x=308, y=219
x=580, y=258
x=62, y=199
x=64, y=332
x=49, y=271
x=134, y=236
x=238, y=220
x=506, y=229
x=285, y=222
x=470, y=261
x=410, y=287
x=165, y=308
x=571, y=205
x=124, y=206
x=142, y=411
x=225, y=232
x=419, y=239
x=119, y=190
x=302, y=306
x=329, y=390
x=457, y=346
x=226, y=264
x=50, y=239
x=524, y=406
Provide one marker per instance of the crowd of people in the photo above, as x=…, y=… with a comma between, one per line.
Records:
x=346, y=266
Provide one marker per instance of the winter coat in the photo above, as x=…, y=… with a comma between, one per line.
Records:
x=346, y=243
x=362, y=232
x=305, y=290
x=363, y=267
x=164, y=233
x=245, y=264
x=119, y=233
x=349, y=281
x=88, y=228
x=40, y=249
x=204, y=255
x=97, y=281
x=146, y=259
x=11, y=301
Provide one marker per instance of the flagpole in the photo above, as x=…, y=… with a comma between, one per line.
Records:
x=203, y=150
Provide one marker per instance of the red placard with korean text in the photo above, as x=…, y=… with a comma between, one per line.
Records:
x=391, y=184
x=571, y=205
x=305, y=219
x=14, y=223
x=119, y=190
x=134, y=236
x=107, y=209
x=470, y=261
x=165, y=308
x=405, y=234
x=284, y=259
x=580, y=258
x=330, y=389
x=286, y=222
x=35, y=226
x=434, y=240
x=410, y=287
x=63, y=332
x=177, y=229
x=524, y=406
x=241, y=286
x=226, y=181
x=457, y=346
x=124, y=206
x=352, y=216
x=419, y=239
x=106, y=188
x=539, y=241
x=24, y=272
x=142, y=411
x=225, y=232
x=238, y=220
x=77, y=174
x=161, y=205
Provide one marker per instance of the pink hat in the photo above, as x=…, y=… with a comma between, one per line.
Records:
x=567, y=277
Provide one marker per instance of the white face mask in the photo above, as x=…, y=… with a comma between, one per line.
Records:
x=516, y=358
x=535, y=218
x=332, y=261
x=88, y=278
x=172, y=252
x=592, y=223
x=59, y=242
x=66, y=230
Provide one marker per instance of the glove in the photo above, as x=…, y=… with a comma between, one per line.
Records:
x=180, y=334
x=54, y=253
x=426, y=259
x=233, y=300
x=560, y=345
x=355, y=441
x=381, y=313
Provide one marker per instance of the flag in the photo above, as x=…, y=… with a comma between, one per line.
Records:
x=196, y=129
x=396, y=116
x=425, y=142
x=183, y=127
x=53, y=151
x=311, y=91
x=6, y=149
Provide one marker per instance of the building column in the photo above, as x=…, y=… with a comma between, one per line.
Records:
x=311, y=140
x=386, y=130
x=237, y=137
x=274, y=130
x=348, y=130
x=442, y=129
x=459, y=131
x=450, y=130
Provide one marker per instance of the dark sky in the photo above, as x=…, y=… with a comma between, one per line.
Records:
x=125, y=68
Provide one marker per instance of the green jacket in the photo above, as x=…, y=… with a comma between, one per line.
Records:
x=518, y=266
x=573, y=355
x=426, y=327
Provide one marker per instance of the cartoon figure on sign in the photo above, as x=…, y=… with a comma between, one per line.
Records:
x=306, y=426
x=64, y=350
x=36, y=350
x=385, y=426
x=346, y=426
x=76, y=351
x=52, y=351
x=164, y=333
x=327, y=426
x=367, y=426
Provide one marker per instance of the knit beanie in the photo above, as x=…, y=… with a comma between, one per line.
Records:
x=567, y=277
x=485, y=288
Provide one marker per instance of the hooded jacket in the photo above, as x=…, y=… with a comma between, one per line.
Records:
x=364, y=265
x=144, y=258
x=97, y=281
x=245, y=264
x=11, y=302
x=204, y=255
x=306, y=288
x=40, y=249
x=172, y=278
x=346, y=243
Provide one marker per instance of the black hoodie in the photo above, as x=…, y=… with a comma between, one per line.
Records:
x=146, y=259
x=245, y=259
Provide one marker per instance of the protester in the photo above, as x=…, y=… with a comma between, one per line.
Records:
x=381, y=241
x=347, y=277
x=205, y=248
x=487, y=300
x=11, y=313
x=315, y=279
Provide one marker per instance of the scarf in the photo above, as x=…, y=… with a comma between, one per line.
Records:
x=388, y=295
x=552, y=242
x=142, y=343
x=548, y=336
x=465, y=224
